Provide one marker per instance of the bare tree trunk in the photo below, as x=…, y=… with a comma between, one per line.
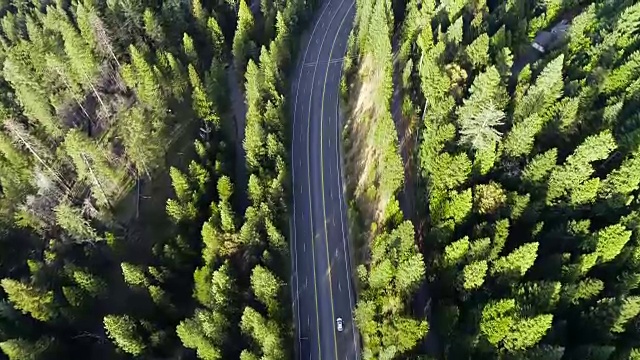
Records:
x=64, y=79
x=95, y=92
x=21, y=135
x=95, y=179
x=138, y=198
x=103, y=38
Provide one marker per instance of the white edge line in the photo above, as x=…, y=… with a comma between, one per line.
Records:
x=342, y=202
x=296, y=300
x=335, y=343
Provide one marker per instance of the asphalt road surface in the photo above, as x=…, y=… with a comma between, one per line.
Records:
x=321, y=278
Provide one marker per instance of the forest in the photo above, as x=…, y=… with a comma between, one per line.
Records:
x=135, y=221
x=128, y=230
x=528, y=168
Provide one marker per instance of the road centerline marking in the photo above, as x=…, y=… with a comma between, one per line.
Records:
x=324, y=210
x=309, y=179
x=293, y=178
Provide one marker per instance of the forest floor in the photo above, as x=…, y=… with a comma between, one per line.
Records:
x=239, y=110
x=142, y=211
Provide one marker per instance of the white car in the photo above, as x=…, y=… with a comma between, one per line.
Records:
x=339, y=324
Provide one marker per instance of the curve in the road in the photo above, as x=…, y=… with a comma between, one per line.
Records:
x=338, y=175
x=322, y=299
x=324, y=209
x=315, y=68
x=293, y=177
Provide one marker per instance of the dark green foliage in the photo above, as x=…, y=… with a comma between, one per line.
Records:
x=396, y=270
x=106, y=209
x=541, y=262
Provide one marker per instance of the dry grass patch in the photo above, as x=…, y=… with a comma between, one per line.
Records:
x=364, y=157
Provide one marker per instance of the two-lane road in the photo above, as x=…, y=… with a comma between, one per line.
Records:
x=321, y=278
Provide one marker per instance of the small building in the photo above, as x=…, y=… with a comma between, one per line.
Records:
x=546, y=40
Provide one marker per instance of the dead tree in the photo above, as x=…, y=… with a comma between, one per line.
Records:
x=26, y=140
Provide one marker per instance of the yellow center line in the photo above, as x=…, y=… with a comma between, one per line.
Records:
x=295, y=239
x=324, y=210
x=313, y=252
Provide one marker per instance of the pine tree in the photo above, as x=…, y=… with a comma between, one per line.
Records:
x=223, y=287
x=396, y=270
x=473, y=275
x=622, y=76
x=586, y=290
x=519, y=141
x=202, y=105
x=124, y=332
x=227, y=216
x=623, y=180
x=189, y=49
x=540, y=296
x=30, y=300
x=266, y=287
x=247, y=355
x=500, y=234
x=455, y=31
x=264, y=332
x=193, y=335
x=478, y=51
x=497, y=320
x=539, y=168
x=142, y=76
x=629, y=309
x=81, y=58
x=577, y=167
x=142, y=134
x=243, y=46
x=199, y=13
x=488, y=198
x=32, y=97
x=89, y=282
x=527, y=332
x=456, y=251
x=180, y=184
x=609, y=241
x=134, y=275
x=70, y=219
x=483, y=111
x=153, y=26
x=216, y=37
x=542, y=94
x=517, y=262
x=22, y=349
x=585, y=193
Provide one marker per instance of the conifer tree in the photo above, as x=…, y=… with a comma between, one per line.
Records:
x=478, y=51
x=153, y=26
x=482, y=112
x=189, y=49
x=202, y=105
x=71, y=219
x=243, y=45
x=577, y=167
x=266, y=287
x=124, y=332
x=30, y=300
x=22, y=349
x=216, y=38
